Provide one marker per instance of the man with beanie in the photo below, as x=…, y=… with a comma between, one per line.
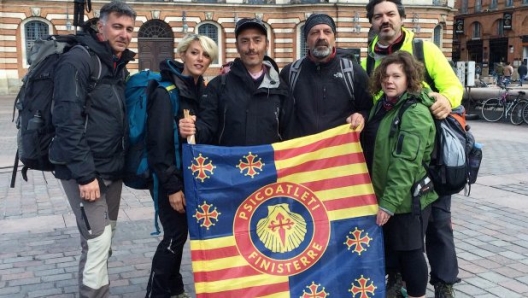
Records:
x=386, y=17
x=322, y=98
x=248, y=105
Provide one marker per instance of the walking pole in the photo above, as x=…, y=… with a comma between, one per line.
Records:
x=190, y=139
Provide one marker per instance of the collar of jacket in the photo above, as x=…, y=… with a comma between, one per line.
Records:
x=271, y=75
x=172, y=70
x=409, y=36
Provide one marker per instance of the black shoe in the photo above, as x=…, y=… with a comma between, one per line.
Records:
x=394, y=286
x=443, y=290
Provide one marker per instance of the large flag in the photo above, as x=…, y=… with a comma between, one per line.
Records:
x=291, y=219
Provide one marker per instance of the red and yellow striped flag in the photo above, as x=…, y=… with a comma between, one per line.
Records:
x=291, y=219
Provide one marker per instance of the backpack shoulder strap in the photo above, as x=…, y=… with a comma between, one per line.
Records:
x=396, y=123
x=347, y=69
x=295, y=68
x=418, y=52
x=370, y=65
x=96, y=68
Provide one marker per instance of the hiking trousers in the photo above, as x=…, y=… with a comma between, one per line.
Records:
x=165, y=278
x=96, y=222
x=440, y=243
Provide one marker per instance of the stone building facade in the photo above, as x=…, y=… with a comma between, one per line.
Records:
x=161, y=24
x=490, y=32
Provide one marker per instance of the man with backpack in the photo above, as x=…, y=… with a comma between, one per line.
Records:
x=386, y=17
x=88, y=150
x=327, y=88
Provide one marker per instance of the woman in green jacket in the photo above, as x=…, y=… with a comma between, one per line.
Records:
x=396, y=150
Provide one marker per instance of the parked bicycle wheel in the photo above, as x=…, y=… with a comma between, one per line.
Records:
x=525, y=113
x=492, y=109
x=516, y=116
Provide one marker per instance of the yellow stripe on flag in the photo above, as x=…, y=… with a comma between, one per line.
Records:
x=328, y=152
x=331, y=133
x=239, y=283
x=217, y=264
x=220, y=242
x=345, y=192
x=357, y=211
x=335, y=172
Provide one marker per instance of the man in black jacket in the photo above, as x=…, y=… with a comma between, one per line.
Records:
x=249, y=105
x=89, y=145
x=322, y=100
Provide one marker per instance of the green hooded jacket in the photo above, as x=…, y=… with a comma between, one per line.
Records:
x=399, y=151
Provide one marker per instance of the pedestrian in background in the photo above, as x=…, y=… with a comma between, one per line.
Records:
x=522, y=72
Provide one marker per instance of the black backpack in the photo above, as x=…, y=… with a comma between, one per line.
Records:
x=35, y=99
x=454, y=147
x=450, y=168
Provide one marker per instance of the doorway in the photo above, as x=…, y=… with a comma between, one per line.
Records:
x=155, y=44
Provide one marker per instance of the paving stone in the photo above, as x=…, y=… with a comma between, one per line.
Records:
x=490, y=227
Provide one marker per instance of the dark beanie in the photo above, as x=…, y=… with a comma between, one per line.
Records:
x=317, y=19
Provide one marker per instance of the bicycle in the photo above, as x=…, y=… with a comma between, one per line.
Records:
x=519, y=112
x=524, y=112
x=494, y=109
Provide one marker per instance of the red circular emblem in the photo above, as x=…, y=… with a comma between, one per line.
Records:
x=282, y=229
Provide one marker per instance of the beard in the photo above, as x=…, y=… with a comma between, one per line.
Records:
x=321, y=52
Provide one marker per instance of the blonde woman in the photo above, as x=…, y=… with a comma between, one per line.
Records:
x=196, y=53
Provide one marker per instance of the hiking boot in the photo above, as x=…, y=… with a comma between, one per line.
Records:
x=394, y=286
x=182, y=295
x=443, y=290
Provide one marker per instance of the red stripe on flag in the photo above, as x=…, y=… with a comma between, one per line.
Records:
x=350, y=202
x=322, y=163
x=255, y=291
x=217, y=253
x=324, y=143
x=345, y=181
x=228, y=273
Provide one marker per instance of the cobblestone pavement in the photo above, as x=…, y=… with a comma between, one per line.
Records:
x=39, y=244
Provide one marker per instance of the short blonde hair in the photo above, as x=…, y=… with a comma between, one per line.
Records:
x=208, y=45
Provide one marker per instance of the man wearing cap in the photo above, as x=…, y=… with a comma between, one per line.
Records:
x=386, y=17
x=249, y=105
x=322, y=100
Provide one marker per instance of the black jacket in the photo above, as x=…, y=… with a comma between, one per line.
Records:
x=160, y=138
x=321, y=98
x=98, y=150
x=244, y=112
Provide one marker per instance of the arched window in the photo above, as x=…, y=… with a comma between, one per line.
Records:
x=155, y=29
x=500, y=27
x=476, y=30
x=210, y=31
x=303, y=46
x=437, y=38
x=34, y=30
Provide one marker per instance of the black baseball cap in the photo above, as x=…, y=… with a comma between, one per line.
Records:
x=245, y=23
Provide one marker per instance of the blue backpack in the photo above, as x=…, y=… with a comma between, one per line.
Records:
x=138, y=174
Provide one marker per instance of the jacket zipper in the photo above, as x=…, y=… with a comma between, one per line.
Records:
x=277, y=110
x=223, y=127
